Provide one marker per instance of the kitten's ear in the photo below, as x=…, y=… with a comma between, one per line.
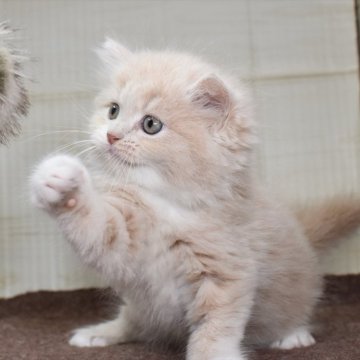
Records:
x=210, y=93
x=113, y=54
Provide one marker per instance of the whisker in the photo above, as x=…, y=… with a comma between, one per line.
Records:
x=94, y=155
x=56, y=132
x=74, y=144
x=85, y=151
x=129, y=160
x=118, y=170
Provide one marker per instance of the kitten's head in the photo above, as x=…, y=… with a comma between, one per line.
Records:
x=170, y=122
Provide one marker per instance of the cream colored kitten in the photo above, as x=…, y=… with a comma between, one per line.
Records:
x=177, y=224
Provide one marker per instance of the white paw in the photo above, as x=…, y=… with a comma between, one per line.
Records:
x=85, y=338
x=104, y=334
x=299, y=338
x=56, y=180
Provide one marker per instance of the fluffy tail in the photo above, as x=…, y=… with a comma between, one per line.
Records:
x=330, y=221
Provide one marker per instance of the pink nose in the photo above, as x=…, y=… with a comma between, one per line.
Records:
x=112, y=138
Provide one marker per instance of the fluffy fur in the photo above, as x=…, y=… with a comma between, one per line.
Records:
x=14, y=100
x=177, y=223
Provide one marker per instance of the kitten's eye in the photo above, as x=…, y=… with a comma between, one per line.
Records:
x=151, y=125
x=114, y=111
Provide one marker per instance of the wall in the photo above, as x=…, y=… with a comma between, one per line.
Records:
x=298, y=56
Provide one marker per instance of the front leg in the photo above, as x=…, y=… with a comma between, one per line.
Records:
x=61, y=185
x=221, y=312
x=122, y=329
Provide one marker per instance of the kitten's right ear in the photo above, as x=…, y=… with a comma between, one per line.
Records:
x=113, y=54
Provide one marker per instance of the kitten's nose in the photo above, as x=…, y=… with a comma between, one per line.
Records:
x=112, y=138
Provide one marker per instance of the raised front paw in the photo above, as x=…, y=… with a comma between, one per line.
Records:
x=58, y=182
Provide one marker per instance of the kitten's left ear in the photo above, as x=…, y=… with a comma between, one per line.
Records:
x=113, y=54
x=210, y=93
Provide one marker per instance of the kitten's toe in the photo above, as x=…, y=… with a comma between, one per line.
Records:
x=301, y=337
x=86, y=338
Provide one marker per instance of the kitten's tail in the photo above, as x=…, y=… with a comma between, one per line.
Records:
x=330, y=221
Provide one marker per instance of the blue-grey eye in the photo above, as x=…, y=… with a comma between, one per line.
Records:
x=151, y=125
x=113, y=111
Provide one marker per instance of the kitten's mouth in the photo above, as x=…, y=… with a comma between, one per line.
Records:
x=123, y=157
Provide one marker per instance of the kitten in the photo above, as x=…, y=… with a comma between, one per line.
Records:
x=177, y=223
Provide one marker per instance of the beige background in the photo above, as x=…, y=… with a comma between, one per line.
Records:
x=298, y=56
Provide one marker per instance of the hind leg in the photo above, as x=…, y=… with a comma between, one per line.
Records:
x=300, y=337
